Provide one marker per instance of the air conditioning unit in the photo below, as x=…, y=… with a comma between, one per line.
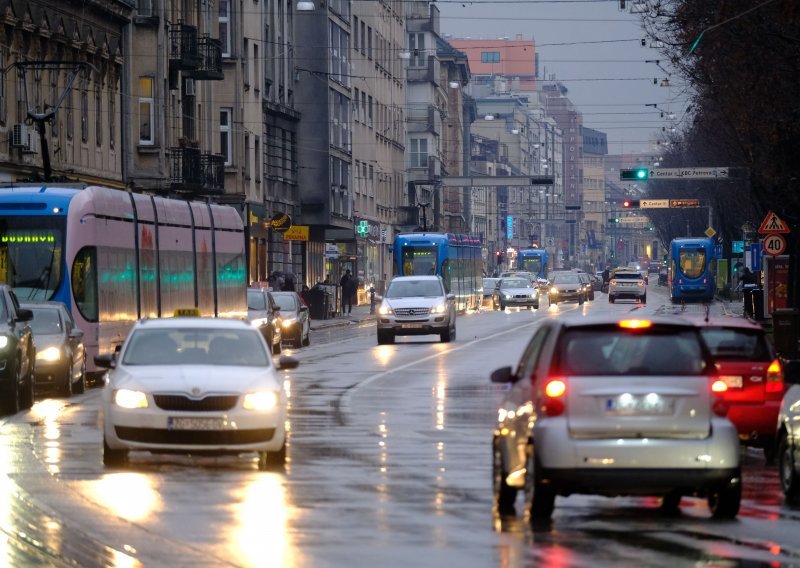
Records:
x=20, y=136
x=188, y=88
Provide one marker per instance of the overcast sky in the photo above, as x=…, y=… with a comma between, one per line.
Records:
x=609, y=82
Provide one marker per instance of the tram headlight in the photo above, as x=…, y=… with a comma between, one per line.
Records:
x=385, y=309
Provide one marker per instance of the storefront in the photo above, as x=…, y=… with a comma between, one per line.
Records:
x=256, y=226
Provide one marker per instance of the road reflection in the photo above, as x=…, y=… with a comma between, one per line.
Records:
x=129, y=495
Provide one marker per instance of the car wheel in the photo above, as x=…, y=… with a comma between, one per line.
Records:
x=276, y=348
x=272, y=460
x=504, y=495
x=80, y=386
x=671, y=503
x=580, y=300
x=644, y=299
x=790, y=481
x=724, y=501
x=770, y=450
x=113, y=458
x=307, y=340
x=27, y=396
x=66, y=390
x=385, y=337
x=449, y=335
x=502, y=306
x=540, y=499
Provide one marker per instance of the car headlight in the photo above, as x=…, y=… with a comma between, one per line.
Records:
x=3, y=341
x=554, y=290
x=50, y=354
x=508, y=296
x=385, y=310
x=289, y=322
x=439, y=309
x=256, y=322
x=266, y=400
x=127, y=398
x=534, y=294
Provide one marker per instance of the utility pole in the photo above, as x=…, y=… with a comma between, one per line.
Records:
x=424, y=215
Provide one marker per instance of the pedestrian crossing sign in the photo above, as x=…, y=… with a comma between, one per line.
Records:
x=773, y=224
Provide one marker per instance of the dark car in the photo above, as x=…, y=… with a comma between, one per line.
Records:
x=17, y=354
x=60, y=353
x=296, y=327
x=588, y=288
x=263, y=313
x=566, y=286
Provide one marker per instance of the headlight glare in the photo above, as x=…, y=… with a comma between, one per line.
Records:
x=385, y=310
x=127, y=398
x=288, y=322
x=256, y=322
x=438, y=309
x=3, y=341
x=266, y=400
x=50, y=354
x=554, y=290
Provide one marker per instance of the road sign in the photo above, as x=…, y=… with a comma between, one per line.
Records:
x=680, y=203
x=774, y=244
x=755, y=257
x=689, y=173
x=654, y=203
x=710, y=232
x=737, y=247
x=773, y=224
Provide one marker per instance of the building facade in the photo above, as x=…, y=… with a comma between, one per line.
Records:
x=595, y=213
x=500, y=65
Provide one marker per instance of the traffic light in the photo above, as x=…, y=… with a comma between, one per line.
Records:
x=631, y=204
x=613, y=220
x=640, y=174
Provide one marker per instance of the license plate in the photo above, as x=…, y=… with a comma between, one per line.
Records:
x=646, y=405
x=411, y=325
x=733, y=381
x=194, y=423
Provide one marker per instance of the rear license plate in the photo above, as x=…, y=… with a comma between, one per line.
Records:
x=194, y=423
x=646, y=405
x=410, y=325
x=733, y=381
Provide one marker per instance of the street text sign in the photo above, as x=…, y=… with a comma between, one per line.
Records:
x=678, y=203
x=774, y=244
x=296, y=233
x=654, y=203
x=689, y=173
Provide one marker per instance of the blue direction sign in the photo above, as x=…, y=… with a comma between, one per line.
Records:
x=755, y=256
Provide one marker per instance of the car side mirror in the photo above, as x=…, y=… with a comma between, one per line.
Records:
x=451, y=296
x=105, y=361
x=286, y=362
x=378, y=298
x=76, y=333
x=303, y=308
x=24, y=314
x=503, y=375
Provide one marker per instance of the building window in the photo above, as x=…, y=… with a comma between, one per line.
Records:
x=246, y=64
x=225, y=141
x=246, y=156
x=98, y=121
x=338, y=66
x=225, y=27
x=369, y=112
x=369, y=42
x=146, y=113
x=69, y=119
x=340, y=120
x=3, y=99
x=256, y=68
x=258, y=159
x=416, y=44
x=112, y=119
x=490, y=57
x=53, y=99
x=419, y=153
x=84, y=110
x=355, y=33
x=363, y=35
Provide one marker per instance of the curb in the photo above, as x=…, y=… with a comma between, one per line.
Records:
x=339, y=323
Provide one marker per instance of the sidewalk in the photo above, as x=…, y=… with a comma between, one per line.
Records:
x=360, y=314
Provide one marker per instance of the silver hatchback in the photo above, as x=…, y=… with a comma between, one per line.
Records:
x=610, y=407
x=416, y=305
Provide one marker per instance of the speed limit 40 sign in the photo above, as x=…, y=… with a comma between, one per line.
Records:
x=774, y=244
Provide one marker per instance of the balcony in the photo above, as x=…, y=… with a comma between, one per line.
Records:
x=212, y=172
x=184, y=52
x=194, y=172
x=210, y=68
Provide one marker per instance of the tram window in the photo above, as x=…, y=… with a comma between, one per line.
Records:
x=84, y=282
x=419, y=261
x=692, y=262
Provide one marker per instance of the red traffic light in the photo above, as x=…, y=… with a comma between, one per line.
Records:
x=630, y=203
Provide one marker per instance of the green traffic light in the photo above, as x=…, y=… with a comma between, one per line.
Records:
x=641, y=174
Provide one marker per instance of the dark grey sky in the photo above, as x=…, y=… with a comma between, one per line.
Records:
x=610, y=83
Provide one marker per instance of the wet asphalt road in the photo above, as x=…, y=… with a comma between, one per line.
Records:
x=389, y=465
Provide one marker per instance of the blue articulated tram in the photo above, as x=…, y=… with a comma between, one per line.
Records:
x=692, y=270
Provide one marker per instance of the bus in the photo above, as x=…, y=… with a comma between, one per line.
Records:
x=456, y=258
x=692, y=269
x=115, y=257
x=533, y=261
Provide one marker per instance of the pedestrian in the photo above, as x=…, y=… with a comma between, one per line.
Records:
x=748, y=277
x=288, y=283
x=348, y=284
x=327, y=281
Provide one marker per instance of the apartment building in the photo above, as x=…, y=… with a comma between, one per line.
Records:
x=595, y=212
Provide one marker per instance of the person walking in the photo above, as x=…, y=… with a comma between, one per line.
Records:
x=348, y=284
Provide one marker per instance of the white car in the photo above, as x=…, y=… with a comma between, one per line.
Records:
x=194, y=386
x=614, y=407
x=627, y=284
x=416, y=305
x=788, y=434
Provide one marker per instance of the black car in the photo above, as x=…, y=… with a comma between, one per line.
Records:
x=60, y=353
x=17, y=354
x=264, y=314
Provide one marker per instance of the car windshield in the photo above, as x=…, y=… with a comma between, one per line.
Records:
x=628, y=276
x=516, y=283
x=566, y=279
x=256, y=300
x=489, y=283
x=731, y=344
x=179, y=346
x=285, y=302
x=46, y=322
x=412, y=288
x=617, y=351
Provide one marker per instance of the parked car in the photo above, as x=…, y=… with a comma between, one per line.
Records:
x=566, y=287
x=614, y=407
x=627, y=284
x=488, y=291
x=747, y=363
x=17, y=354
x=788, y=434
x=60, y=353
x=264, y=314
x=416, y=305
x=295, y=322
x=515, y=292
x=194, y=385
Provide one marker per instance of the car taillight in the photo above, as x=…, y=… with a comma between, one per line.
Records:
x=719, y=406
x=553, y=403
x=774, y=377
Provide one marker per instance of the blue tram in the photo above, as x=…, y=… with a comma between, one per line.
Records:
x=533, y=261
x=692, y=271
x=456, y=258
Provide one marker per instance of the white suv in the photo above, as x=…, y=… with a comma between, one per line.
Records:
x=608, y=407
x=627, y=284
x=416, y=305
